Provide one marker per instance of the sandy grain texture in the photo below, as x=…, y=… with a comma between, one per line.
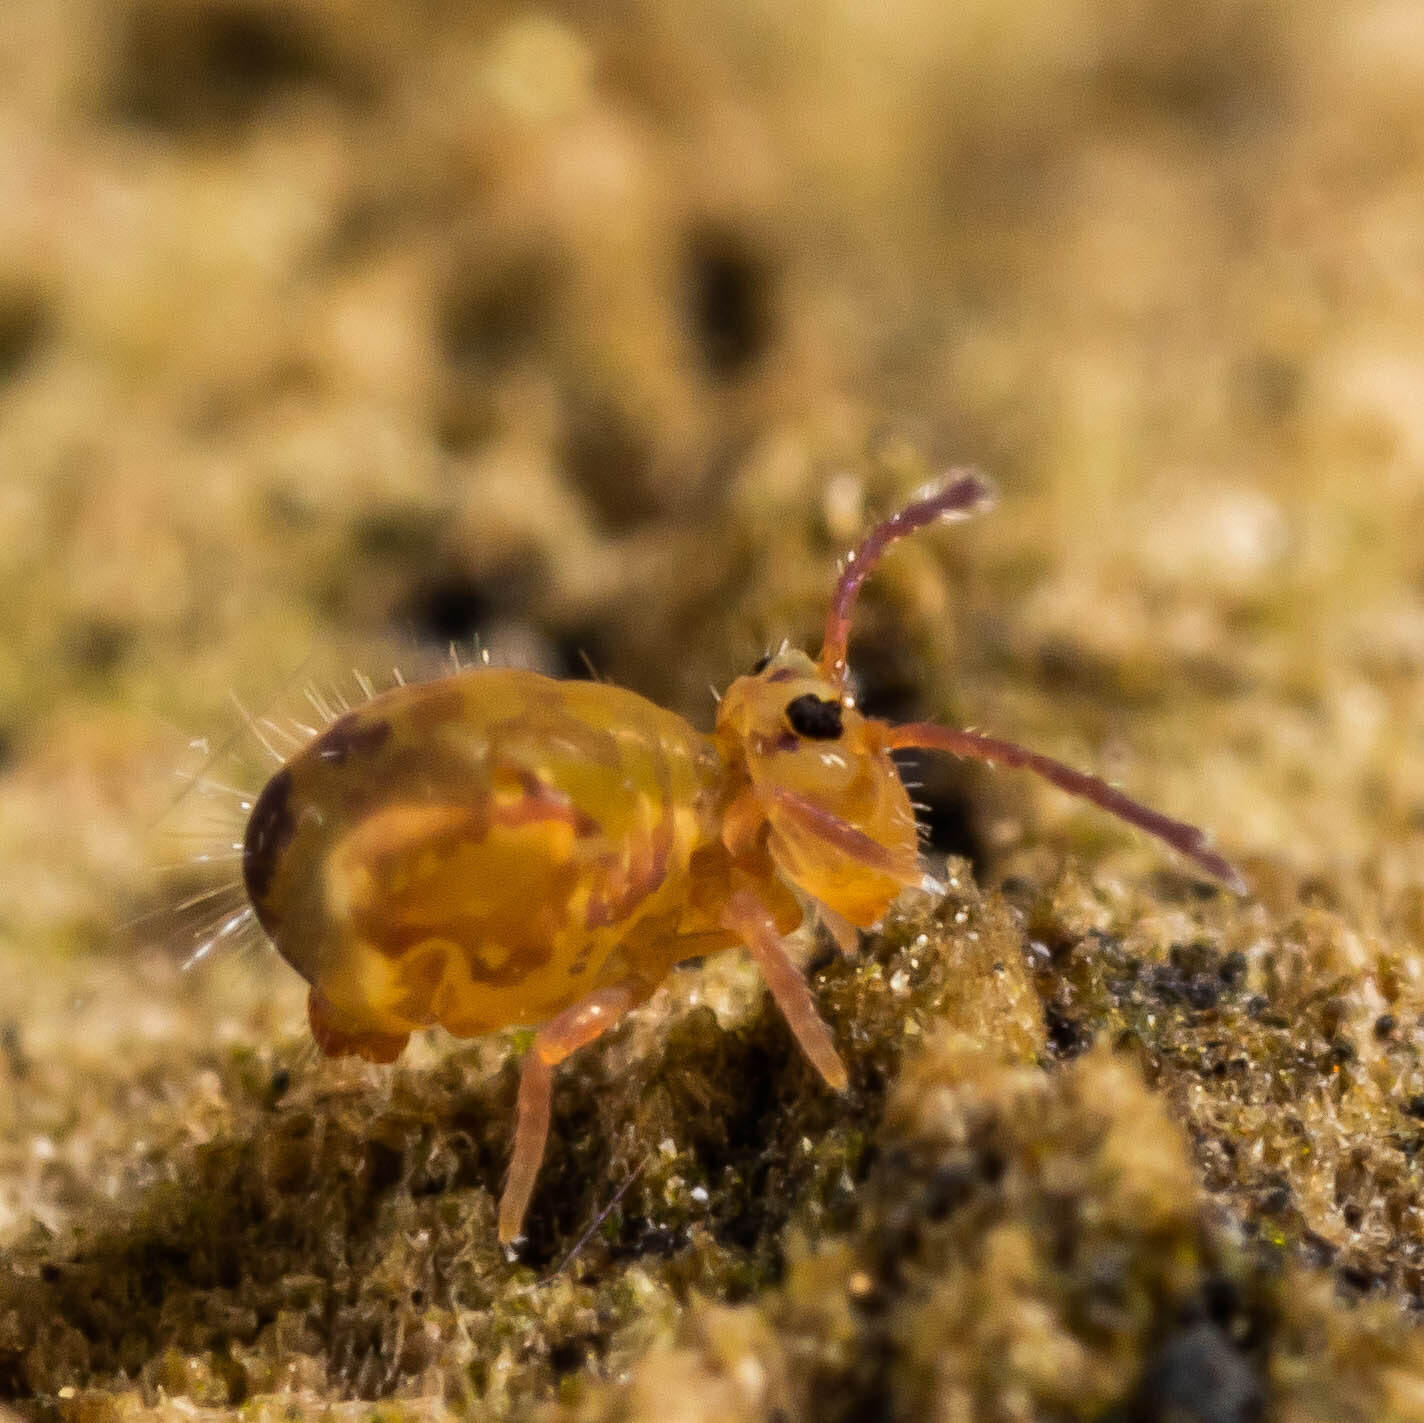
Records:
x=333, y=333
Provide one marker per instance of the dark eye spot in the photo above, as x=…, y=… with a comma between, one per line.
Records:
x=813, y=717
x=761, y=664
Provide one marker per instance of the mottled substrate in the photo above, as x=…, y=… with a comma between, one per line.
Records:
x=577, y=334
x=979, y=1229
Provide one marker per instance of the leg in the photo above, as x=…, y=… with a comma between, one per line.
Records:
x=1185, y=839
x=586, y=1020
x=823, y=825
x=748, y=918
x=846, y=935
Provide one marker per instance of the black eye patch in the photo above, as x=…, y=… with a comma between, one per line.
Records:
x=810, y=716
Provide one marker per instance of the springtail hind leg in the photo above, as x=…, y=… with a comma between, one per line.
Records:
x=572, y=1029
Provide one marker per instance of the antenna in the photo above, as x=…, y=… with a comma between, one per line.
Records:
x=963, y=493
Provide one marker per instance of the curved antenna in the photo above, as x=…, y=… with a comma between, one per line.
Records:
x=964, y=492
x=1186, y=840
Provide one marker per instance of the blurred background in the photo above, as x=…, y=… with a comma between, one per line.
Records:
x=332, y=333
x=603, y=332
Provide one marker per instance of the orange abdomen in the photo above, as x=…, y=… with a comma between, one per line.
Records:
x=472, y=852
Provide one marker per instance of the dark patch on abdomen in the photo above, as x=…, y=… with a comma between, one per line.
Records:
x=270, y=828
x=349, y=736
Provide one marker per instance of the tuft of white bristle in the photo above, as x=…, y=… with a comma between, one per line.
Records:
x=256, y=730
x=233, y=924
x=319, y=704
